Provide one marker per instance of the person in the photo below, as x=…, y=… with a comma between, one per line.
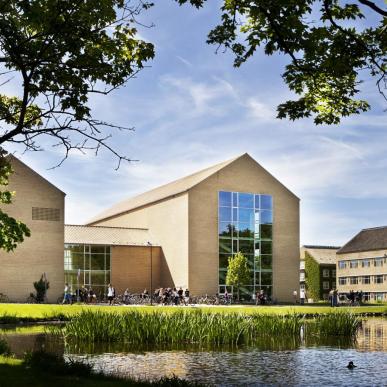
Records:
x=186, y=297
x=330, y=297
x=180, y=294
x=67, y=295
x=302, y=296
x=335, y=298
x=91, y=296
x=110, y=294
x=226, y=296
x=262, y=297
x=126, y=296
x=145, y=294
x=295, y=296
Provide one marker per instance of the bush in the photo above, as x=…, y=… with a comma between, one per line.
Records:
x=41, y=288
x=4, y=348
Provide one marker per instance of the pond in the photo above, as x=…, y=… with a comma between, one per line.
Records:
x=272, y=361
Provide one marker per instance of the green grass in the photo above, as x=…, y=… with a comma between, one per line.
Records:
x=12, y=313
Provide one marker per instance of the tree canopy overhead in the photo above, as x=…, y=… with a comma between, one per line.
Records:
x=64, y=51
x=330, y=43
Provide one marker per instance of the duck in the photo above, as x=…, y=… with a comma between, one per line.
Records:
x=351, y=366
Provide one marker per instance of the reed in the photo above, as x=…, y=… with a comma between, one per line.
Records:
x=194, y=326
x=345, y=324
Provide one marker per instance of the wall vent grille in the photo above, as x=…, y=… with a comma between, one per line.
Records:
x=52, y=214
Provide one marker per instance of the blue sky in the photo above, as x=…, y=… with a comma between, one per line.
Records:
x=191, y=109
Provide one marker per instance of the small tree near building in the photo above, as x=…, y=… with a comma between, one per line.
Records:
x=238, y=272
x=41, y=288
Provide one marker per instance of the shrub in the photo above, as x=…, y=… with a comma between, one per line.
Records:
x=41, y=288
x=4, y=348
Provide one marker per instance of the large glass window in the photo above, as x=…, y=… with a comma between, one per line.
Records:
x=246, y=225
x=87, y=265
x=342, y=264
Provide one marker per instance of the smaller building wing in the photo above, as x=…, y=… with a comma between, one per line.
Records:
x=98, y=235
x=367, y=239
x=323, y=255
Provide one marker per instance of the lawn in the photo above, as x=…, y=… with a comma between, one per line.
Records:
x=40, y=312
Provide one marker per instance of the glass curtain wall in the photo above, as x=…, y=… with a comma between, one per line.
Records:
x=93, y=264
x=246, y=225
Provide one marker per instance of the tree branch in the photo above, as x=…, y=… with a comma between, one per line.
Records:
x=374, y=7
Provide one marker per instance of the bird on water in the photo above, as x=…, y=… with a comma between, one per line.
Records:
x=351, y=366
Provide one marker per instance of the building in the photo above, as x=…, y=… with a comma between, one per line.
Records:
x=362, y=264
x=318, y=271
x=179, y=234
x=94, y=256
x=40, y=205
x=202, y=219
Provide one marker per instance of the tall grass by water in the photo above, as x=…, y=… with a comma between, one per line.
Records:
x=180, y=327
x=199, y=327
x=335, y=324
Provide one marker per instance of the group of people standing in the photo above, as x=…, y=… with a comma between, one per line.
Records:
x=167, y=296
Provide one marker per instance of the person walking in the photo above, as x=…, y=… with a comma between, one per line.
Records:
x=67, y=295
x=111, y=292
x=302, y=296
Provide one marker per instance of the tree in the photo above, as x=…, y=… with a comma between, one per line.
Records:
x=62, y=52
x=41, y=288
x=11, y=230
x=238, y=272
x=330, y=44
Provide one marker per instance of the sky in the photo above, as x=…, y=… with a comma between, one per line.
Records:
x=191, y=108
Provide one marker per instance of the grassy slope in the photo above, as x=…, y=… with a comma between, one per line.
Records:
x=42, y=312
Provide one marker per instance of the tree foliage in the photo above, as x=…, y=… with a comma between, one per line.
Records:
x=330, y=43
x=63, y=51
x=12, y=231
x=41, y=288
x=238, y=272
x=312, y=277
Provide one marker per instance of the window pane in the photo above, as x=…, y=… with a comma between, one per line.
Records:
x=266, y=247
x=87, y=261
x=235, y=199
x=266, y=278
x=223, y=261
x=266, y=217
x=225, y=229
x=250, y=261
x=75, y=248
x=97, y=261
x=225, y=246
x=225, y=214
x=224, y=199
x=107, y=263
x=235, y=245
x=266, y=262
x=222, y=276
x=246, y=246
x=246, y=216
x=246, y=200
x=97, y=278
x=266, y=231
x=235, y=214
x=98, y=249
x=257, y=260
x=245, y=231
x=266, y=202
x=75, y=262
x=257, y=201
x=257, y=278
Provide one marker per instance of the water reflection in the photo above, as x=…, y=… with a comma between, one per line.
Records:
x=273, y=361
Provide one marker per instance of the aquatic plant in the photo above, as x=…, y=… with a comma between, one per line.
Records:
x=335, y=324
x=185, y=326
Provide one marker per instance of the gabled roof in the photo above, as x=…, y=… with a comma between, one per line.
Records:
x=14, y=160
x=366, y=240
x=174, y=188
x=113, y=236
x=171, y=189
x=321, y=254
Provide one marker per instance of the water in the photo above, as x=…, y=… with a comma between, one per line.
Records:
x=273, y=362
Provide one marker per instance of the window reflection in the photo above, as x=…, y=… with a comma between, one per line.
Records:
x=245, y=225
